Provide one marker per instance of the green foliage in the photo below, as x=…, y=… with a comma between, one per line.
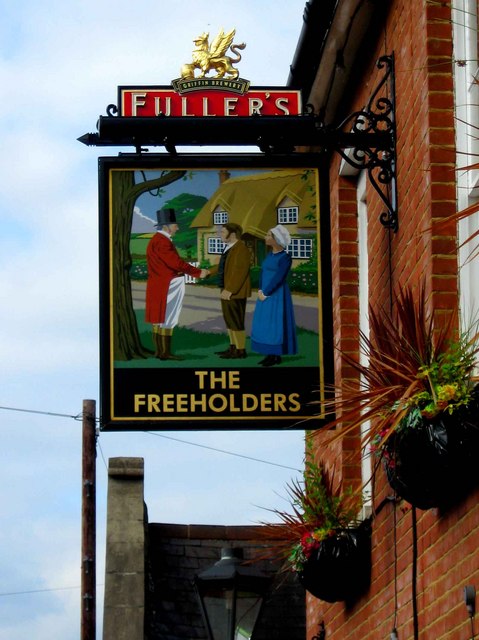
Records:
x=318, y=510
x=138, y=244
x=301, y=281
x=415, y=367
x=447, y=381
x=311, y=215
x=187, y=206
x=139, y=269
x=254, y=274
x=304, y=279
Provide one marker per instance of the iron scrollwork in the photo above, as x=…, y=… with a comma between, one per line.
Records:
x=378, y=117
x=112, y=110
x=366, y=139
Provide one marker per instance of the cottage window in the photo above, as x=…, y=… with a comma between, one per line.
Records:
x=220, y=217
x=301, y=248
x=215, y=245
x=288, y=215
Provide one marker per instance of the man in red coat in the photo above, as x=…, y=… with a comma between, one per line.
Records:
x=165, y=287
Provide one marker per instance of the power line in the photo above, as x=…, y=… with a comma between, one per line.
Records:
x=229, y=453
x=78, y=416
x=30, y=591
x=21, y=593
x=160, y=435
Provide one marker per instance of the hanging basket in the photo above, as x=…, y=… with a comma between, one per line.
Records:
x=340, y=568
x=434, y=462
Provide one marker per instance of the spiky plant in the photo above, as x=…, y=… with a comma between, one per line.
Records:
x=411, y=365
x=317, y=510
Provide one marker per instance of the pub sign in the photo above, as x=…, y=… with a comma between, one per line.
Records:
x=214, y=269
x=204, y=367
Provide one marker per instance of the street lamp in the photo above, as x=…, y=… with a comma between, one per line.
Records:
x=231, y=595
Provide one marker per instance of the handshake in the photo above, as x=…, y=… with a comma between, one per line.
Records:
x=204, y=273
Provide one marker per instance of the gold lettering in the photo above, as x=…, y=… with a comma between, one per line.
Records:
x=221, y=378
x=217, y=402
x=266, y=401
x=250, y=402
x=182, y=399
x=233, y=407
x=294, y=404
x=234, y=380
x=201, y=402
x=153, y=402
x=201, y=375
x=280, y=402
x=138, y=401
x=168, y=402
x=223, y=400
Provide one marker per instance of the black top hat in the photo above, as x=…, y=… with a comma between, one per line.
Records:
x=165, y=216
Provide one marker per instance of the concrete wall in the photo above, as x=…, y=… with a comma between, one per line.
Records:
x=124, y=609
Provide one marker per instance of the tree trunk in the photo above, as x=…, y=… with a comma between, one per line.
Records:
x=126, y=339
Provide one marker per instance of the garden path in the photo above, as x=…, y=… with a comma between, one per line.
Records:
x=201, y=308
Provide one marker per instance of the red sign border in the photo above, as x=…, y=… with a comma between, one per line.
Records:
x=208, y=92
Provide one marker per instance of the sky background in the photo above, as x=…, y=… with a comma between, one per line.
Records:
x=60, y=66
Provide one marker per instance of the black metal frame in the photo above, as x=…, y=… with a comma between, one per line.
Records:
x=371, y=136
x=378, y=117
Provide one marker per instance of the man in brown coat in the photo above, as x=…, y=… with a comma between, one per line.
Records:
x=235, y=284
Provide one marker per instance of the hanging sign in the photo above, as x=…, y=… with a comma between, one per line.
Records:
x=214, y=295
x=214, y=268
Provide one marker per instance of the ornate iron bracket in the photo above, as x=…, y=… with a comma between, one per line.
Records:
x=366, y=139
x=377, y=117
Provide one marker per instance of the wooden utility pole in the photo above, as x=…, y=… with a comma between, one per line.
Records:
x=88, y=543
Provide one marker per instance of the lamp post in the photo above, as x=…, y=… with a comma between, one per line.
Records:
x=231, y=596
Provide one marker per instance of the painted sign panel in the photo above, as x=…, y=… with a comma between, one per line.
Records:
x=208, y=97
x=213, y=293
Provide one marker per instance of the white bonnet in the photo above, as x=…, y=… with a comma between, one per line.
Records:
x=281, y=235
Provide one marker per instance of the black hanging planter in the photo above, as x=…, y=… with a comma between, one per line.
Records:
x=340, y=568
x=434, y=462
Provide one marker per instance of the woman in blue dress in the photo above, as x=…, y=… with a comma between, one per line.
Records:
x=273, y=332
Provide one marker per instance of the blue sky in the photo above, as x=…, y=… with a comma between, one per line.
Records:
x=60, y=66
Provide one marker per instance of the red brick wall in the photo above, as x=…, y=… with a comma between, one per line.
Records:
x=419, y=33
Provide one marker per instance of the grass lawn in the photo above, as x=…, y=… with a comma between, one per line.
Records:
x=198, y=350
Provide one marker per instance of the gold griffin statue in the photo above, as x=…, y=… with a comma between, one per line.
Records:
x=208, y=58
